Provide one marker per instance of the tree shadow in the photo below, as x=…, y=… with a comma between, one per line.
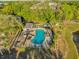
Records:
x=31, y=53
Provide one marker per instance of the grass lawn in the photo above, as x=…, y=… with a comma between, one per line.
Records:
x=67, y=33
x=8, y=28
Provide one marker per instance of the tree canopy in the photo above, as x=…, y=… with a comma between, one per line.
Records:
x=42, y=11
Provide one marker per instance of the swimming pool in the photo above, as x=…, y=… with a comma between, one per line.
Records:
x=40, y=36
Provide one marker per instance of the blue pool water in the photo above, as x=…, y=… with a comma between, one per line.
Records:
x=40, y=36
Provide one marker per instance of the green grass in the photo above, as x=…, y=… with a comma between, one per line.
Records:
x=67, y=33
x=8, y=28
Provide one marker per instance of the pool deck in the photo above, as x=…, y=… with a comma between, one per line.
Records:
x=24, y=41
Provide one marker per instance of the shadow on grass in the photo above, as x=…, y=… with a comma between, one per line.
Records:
x=31, y=53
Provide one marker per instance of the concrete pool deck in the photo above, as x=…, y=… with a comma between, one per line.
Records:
x=30, y=44
x=26, y=36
